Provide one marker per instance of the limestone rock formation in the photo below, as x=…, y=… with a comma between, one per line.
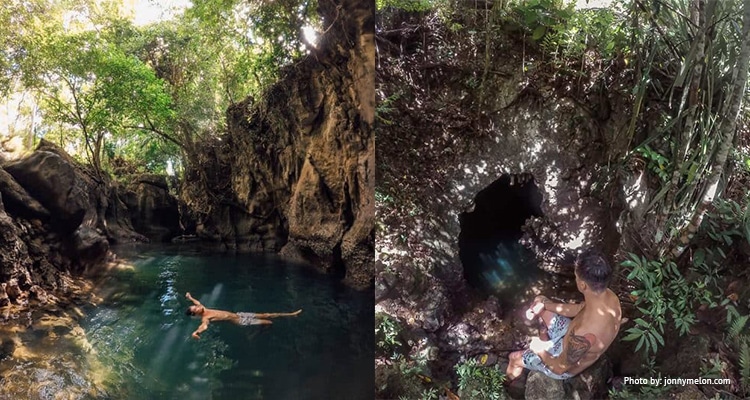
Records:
x=592, y=383
x=447, y=140
x=56, y=222
x=153, y=210
x=18, y=200
x=104, y=211
x=54, y=182
x=296, y=170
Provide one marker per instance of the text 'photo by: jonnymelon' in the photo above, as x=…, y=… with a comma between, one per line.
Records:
x=187, y=199
x=562, y=199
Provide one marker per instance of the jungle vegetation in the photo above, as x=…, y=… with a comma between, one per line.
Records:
x=683, y=66
x=131, y=96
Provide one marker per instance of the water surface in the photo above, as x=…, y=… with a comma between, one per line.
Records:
x=142, y=335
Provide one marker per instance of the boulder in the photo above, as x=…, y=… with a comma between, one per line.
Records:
x=54, y=183
x=18, y=200
x=105, y=211
x=542, y=387
x=589, y=384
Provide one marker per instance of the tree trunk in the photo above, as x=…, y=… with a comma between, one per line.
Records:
x=98, y=144
x=726, y=130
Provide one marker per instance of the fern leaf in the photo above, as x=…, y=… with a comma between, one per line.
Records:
x=745, y=366
x=737, y=326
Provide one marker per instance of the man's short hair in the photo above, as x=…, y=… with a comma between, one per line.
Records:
x=189, y=311
x=593, y=268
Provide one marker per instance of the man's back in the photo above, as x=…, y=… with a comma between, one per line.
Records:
x=598, y=324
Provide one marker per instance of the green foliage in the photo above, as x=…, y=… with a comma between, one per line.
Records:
x=386, y=107
x=97, y=89
x=647, y=334
x=478, y=382
x=264, y=35
x=383, y=198
x=387, y=334
x=406, y=5
x=427, y=394
x=727, y=222
x=713, y=369
x=732, y=313
x=147, y=94
x=663, y=290
x=567, y=33
x=658, y=164
x=707, y=261
x=735, y=329
x=691, y=68
x=744, y=363
x=642, y=391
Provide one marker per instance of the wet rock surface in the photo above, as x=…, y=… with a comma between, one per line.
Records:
x=43, y=353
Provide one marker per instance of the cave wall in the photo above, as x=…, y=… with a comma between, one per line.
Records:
x=443, y=146
x=295, y=172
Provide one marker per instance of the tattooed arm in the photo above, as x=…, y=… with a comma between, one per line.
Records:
x=576, y=347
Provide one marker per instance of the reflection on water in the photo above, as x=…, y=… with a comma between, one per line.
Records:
x=137, y=344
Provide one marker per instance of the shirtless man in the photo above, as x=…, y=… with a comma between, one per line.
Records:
x=241, y=318
x=569, y=346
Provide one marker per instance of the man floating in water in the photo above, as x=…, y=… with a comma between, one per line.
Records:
x=568, y=346
x=242, y=318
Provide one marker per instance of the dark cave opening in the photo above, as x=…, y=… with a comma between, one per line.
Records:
x=494, y=261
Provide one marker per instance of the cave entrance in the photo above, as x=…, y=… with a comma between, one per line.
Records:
x=494, y=261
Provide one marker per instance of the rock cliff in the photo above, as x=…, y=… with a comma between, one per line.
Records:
x=295, y=171
x=57, y=220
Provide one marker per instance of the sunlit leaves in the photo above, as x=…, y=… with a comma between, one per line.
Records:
x=98, y=89
x=406, y=5
x=256, y=38
x=108, y=88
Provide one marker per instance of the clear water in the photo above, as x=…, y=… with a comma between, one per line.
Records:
x=142, y=335
x=502, y=268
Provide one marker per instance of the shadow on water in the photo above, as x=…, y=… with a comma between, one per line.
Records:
x=493, y=260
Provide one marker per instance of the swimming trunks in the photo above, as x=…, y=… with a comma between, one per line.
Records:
x=558, y=327
x=247, y=318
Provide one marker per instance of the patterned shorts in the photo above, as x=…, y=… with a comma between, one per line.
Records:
x=558, y=327
x=247, y=318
